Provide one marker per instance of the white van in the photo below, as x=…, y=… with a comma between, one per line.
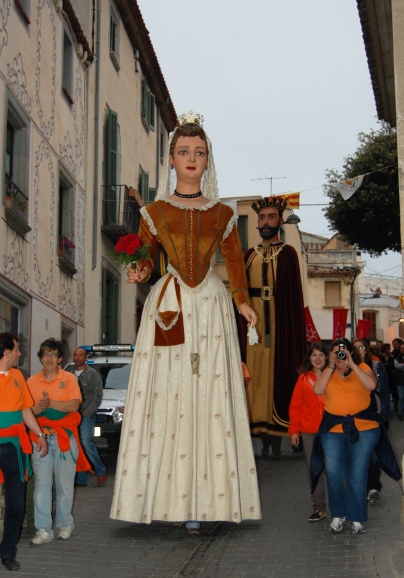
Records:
x=113, y=362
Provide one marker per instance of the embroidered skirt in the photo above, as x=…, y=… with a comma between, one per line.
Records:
x=186, y=451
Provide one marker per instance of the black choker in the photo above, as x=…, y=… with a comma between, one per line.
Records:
x=177, y=194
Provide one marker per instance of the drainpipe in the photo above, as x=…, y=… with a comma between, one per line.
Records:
x=158, y=149
x=96, y=135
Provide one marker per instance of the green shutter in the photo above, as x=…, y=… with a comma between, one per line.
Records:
x=110, y=307
x=112, y=156
x=151, y=110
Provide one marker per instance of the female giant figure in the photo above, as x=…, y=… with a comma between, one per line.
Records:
x=185, y=452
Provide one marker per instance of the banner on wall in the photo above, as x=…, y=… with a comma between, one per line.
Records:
x=363, y=328
x=339, y=323
x=311, y=332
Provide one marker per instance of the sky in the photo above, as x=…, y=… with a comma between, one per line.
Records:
x=284, y=89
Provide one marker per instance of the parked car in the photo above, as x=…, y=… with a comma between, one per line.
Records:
x=113, y=363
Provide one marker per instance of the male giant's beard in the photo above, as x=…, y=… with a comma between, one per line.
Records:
x=268, y=232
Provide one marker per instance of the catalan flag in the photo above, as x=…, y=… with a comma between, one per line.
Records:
x=293, y=200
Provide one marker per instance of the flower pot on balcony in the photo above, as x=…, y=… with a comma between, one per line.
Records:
x=9, y=202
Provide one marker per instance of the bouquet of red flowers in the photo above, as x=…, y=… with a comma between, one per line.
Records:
x=131, y=250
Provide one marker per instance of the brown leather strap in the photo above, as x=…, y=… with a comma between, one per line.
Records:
x=164, y=288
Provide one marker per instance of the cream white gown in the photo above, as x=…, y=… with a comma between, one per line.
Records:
x=186, y=451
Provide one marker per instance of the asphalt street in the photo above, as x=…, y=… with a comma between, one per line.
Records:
x=282, y=545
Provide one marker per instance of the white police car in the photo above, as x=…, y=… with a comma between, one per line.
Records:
x=113, y=363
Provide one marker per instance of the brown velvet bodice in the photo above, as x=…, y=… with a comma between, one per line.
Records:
x=190, y=238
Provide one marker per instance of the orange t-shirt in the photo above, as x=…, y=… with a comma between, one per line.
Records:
x=64, y=386
x=14, y=393
x=347, y=396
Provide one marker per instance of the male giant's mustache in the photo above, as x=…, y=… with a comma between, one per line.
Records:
x=267, y=232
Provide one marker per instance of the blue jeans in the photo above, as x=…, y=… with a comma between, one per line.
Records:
x=347, y=466
x=14, y=493
x=63, y=466
x=86, y=431
x=400, y=393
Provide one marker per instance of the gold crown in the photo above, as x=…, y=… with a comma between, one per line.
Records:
x=279, y=203
x=191, y=117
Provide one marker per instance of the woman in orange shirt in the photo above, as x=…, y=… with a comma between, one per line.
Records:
x=305, y=413
x=348, y=434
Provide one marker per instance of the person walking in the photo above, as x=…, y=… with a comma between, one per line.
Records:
x=305, y=414
x=186, y=453
x=349, y=433
x=90, y=383
x=57, y=397
x=15, y=446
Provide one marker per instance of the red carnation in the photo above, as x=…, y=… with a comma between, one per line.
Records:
x=131, y=250
x=128, y=244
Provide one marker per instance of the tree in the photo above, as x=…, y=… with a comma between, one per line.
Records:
x=370, y=219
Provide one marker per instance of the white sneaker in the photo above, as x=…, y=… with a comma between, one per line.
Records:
x=41, y=537
x=65, y=533
x=358, y=528
x=374, y=496
x=337, y=524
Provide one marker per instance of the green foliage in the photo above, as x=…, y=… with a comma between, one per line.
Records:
x=370, y=219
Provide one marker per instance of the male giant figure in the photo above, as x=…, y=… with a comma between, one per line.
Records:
x=275, y=289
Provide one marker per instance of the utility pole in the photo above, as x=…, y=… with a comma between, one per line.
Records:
x=269, y=179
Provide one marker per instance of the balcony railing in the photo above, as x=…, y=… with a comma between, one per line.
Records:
x=16, y=204
x=120, y=212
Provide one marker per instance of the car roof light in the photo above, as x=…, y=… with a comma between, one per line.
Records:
x=111, y=347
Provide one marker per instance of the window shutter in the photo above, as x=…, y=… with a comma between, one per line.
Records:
x=151, y=110
x=332, y=293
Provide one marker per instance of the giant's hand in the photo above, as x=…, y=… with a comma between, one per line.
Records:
x=136, y=275
x=248, y=314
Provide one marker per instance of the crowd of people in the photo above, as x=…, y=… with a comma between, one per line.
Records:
x=211, y=369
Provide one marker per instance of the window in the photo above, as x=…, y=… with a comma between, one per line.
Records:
x=16, y=165
x=371, y=316
x=66, y=217
x=148, y=103
x=23, y=9
x=143, y=186
x=242, y=228
x=110, y=297
x=332, y=293
x=114, y=37
x=67, y=68
x=162, y=145
x=111, y=150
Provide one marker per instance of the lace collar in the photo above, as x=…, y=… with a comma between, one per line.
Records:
x=209, y=205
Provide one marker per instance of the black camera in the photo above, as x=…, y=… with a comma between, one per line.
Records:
x=341, y=353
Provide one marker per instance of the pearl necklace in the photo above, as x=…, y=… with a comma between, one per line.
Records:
x=177, y=194
x=266, y=257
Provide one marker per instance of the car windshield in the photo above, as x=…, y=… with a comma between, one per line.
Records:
x=114, y=375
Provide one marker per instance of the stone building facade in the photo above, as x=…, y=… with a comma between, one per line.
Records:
x=86, y=112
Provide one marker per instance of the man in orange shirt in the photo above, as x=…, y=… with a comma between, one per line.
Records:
x=57, y=398
x=15, y=414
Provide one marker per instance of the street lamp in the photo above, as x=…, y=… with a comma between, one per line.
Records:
x=292, y=219
x=400, y=320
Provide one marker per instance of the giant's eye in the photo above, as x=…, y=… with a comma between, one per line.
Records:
x=200, y=153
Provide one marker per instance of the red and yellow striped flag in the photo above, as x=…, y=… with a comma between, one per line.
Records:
x=293, y=200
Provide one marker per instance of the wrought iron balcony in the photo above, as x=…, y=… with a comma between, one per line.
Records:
x=120, y=212
x=16, y=204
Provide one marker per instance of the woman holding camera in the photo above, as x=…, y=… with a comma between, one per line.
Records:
x=348, y=434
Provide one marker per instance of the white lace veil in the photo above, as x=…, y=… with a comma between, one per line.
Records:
x=168, y=178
